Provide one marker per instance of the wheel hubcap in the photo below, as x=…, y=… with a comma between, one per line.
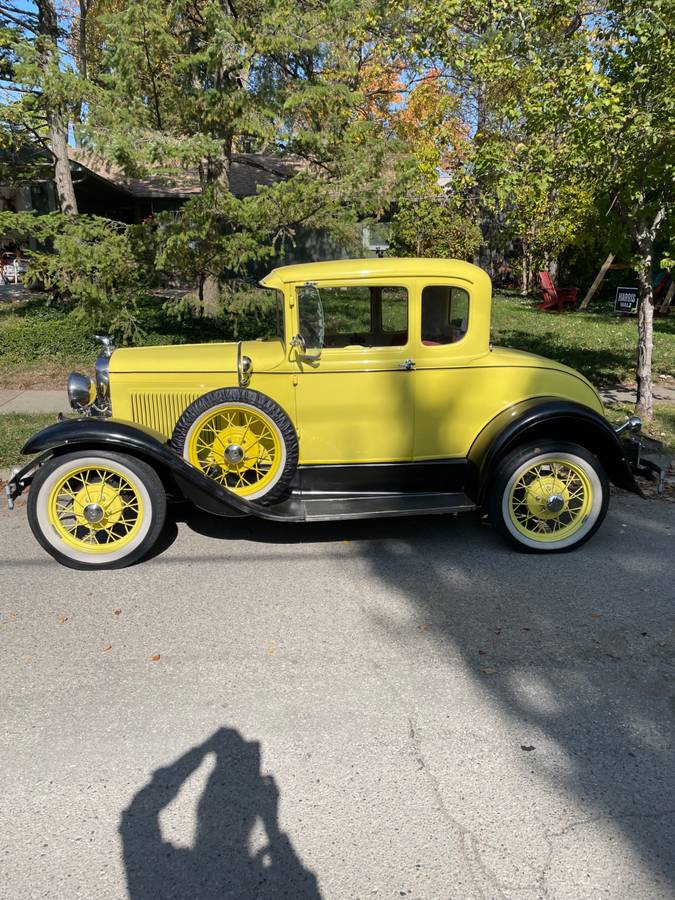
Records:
x=234, y=454
x=93, y=513
x=555, y=503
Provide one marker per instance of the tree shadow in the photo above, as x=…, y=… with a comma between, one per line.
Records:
x=577, y=650
x=584, y=665
x=238, y=807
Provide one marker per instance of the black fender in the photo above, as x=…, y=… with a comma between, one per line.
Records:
x=92, y=433
x=551, y=418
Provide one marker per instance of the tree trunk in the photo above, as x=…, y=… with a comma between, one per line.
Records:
x=645, y=401
x=215, y=173
x=526, y=275
x=48, y=26
x=83, y=66
x=645, y=236
x=553, y=268
x=63, y=179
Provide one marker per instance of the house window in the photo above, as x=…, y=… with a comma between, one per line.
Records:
x=445, y=314
x=365, y=316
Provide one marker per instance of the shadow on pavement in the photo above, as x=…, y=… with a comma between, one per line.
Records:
x=578, y=650
x=239, y=807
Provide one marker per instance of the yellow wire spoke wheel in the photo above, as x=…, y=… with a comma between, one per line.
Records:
x=238, y=446
x=96, y=509
x=550, y=500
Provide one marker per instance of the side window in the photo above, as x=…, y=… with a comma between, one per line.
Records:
x=395, y=312
x=363, y=316
x=346, y=312
x=445, y=314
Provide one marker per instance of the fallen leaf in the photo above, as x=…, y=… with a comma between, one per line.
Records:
x=596, y=615
x=106, y=647
x=345, y=541
x=488, y=670
x=62, y=620
x=424, y=627
x=527, y=747
x=155, y=658
x=118, y=612
x=269, y=651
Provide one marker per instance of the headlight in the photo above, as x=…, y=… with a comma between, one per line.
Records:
x=81, y=391
x=103, y=377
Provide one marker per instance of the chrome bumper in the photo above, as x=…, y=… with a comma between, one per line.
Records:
x=634, y=425
x=21, y=478
x=640, y=464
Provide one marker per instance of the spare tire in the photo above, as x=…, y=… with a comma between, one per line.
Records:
x=242, y=439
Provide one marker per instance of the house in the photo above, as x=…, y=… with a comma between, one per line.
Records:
x=103, y=189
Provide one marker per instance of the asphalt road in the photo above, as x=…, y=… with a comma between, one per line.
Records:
x=396, y=709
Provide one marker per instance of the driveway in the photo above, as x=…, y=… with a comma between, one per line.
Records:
x=395, y=709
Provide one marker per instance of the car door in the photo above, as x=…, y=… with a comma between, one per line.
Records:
x=355, y=395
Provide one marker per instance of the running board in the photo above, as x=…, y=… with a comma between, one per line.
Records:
x=325, y=510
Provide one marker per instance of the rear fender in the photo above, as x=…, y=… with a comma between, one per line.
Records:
x=543, y=418
x=131, y=439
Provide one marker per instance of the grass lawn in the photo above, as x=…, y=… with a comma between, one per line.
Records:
x=599, y=344
x=15, y=429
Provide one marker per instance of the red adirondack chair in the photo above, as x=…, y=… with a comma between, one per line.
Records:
x=555, y=298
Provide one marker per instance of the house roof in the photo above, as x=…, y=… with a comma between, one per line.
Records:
x=249, y=171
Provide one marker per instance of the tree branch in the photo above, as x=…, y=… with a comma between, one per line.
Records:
x=21, y=24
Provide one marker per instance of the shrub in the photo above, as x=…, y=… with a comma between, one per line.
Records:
x=46, y=337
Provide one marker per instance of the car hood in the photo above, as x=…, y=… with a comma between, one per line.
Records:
x=221, y=357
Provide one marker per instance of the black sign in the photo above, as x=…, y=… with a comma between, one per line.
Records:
x=626, y=300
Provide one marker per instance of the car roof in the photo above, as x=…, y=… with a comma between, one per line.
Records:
x=385, y=267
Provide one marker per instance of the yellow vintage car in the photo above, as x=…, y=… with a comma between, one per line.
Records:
x=378, y=393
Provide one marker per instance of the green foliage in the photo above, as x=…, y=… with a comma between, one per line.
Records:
x=52, y=337
x=192, y=86
x=432, y=226
x=88, y=263
x=249, y=312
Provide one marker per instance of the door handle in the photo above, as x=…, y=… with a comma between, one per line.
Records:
x=407, y=364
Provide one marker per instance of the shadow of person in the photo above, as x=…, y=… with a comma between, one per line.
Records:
x=221, y=864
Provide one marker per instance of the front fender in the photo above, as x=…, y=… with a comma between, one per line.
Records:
x=131, y=439
x=548, y=417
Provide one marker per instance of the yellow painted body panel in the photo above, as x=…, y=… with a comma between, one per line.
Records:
x=357, y=404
